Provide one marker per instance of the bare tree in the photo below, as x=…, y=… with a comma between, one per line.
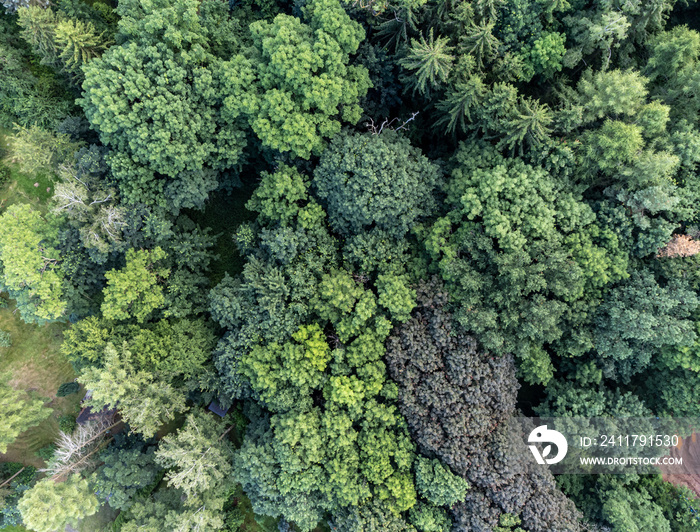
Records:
x=76, y=452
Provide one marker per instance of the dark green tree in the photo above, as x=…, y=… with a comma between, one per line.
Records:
x=375, y=180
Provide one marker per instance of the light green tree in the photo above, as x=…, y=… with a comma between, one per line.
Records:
x=32, y=271
x=198, y=456
x=297, y=85
x=145, y=401
x=17, y=415
x=39, y=150
x=155, y=100
x=437, y=483
x=50, y=506
x=136, y=290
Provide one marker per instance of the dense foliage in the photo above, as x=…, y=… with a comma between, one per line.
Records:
x=322, y=257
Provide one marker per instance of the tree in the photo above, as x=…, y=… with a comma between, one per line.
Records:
x=638, y=319
x=32, y=272
x=135, y=291
x=375, y=180
x=611, y=94
x=428, y=518
x=458, y=405
x=37, y=150
x=145, y=400
x=434, y=363
x=301, y=363
x=11, y=6
x=76, y=452
x=50, y=506
x=18, y=415
x=516, y=232
x=296, y=85
x=155, y=100
x=61, y=40
x=124, y=472
x=370, y=517
x=198, y=456
x=431, y=60
x=165, y=511
x=283, y=197
x=633, y=511
x=438, y=484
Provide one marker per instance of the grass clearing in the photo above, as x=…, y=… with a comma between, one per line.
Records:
x=35, y=364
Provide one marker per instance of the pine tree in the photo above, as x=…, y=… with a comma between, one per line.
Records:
x=198, y=456
x=77, y=42
x=50, y=506
x=431, y=60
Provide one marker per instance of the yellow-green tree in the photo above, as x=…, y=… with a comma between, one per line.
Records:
x=50, y=506
x=18, y=415
x=296, y=85
x=136, y=290
x=31, y=265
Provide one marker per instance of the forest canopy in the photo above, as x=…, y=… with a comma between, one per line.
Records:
x=303, y=265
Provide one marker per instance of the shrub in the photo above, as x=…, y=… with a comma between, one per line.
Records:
x=67, y=423
x=4, y=174
x=67, y=388
x=5, y=339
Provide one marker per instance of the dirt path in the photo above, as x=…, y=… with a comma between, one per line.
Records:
x=689, y=450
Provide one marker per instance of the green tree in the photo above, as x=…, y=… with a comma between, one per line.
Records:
x=428, y=518
x=297, y=85
x=50, y=506
x=18, y=415
x=371, y=517
x=37, y=150
x=198, y=457
x=124, y=472
x=61, y=41
x=32, y=272
x=550, y=255
x=155, y=100
x=378, y=180
x=78, y=43
x=431, y=60
x=638, y=319
x=438, y=484
x=145, y=400
x=283, y=197
x=396, y=296
x=611, y=94
x=136, y=290
x=300, y=363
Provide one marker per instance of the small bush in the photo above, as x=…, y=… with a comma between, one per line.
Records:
x=67, y=388
x=46, y=453
x=67, y=423
x=5, y=339
x=4, y=174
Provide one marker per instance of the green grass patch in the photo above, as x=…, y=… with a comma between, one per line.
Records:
x=223, y=214
x=35, y=364
x=15, y=528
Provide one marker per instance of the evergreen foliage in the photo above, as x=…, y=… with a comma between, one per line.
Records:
x=50, y=505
